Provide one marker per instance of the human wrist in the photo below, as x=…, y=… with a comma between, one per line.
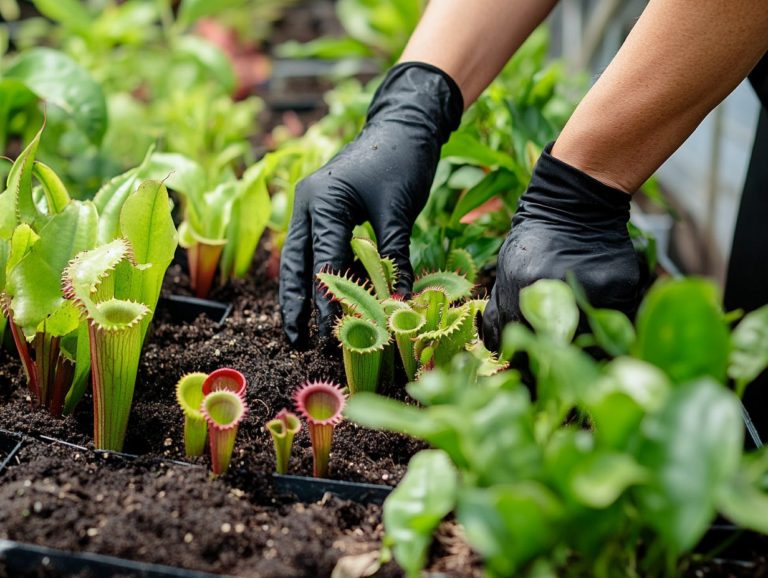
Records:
x=421, y=94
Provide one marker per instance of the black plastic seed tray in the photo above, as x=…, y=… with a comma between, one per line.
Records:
x=313, y=489
x=10, y=444
x=26, y=560
x=186, y=309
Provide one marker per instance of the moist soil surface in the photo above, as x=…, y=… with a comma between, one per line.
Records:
x=154, y=510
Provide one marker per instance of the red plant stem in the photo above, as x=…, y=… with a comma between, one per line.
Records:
x=65, y=372
x=26, y=360
x=321, y=437
x=203, y=261
x=46, y=356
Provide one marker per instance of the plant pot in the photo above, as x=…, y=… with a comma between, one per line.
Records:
x=313, y=489
x=26, y=560
x=183, y=309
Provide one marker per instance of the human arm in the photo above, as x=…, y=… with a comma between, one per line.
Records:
x=680, y=60
x=385, y=174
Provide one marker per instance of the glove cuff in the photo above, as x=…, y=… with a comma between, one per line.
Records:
x=557, y=186
x=422, y=94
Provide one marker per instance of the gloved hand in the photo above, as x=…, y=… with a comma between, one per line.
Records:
x=383, y=176
x=565, y=221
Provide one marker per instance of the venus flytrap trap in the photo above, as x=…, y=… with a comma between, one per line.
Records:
x=283, y=428
x=223, y=410
x=189, y=394
x=362, y=343
x=321, y=403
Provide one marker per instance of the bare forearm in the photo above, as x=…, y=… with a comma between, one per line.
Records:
x=680, y=60
x=472, y=40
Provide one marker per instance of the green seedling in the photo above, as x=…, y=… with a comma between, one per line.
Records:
x=321, y=404
x=189, y=394
x=283, y=428
x=223, y=411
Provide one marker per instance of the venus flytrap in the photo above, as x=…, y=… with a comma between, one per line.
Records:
x=283, y=428
x=321, y=404
x=363, y=344
x=189, y=394
x=223, y=410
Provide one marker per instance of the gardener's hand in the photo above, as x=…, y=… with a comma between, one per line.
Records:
x=566, y=221
x=383, y=176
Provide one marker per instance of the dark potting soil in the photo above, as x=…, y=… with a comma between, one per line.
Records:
x=146, y=510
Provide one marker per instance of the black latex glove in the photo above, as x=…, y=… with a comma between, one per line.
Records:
x=565, y=221
x=383, y=176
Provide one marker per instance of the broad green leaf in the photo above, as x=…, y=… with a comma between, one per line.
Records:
x=35, y=283
x=495, y=183
x=691, y=448
x=65, y=319
x=680, y=328
x=510, y=524
x=15, y=96
x=147, y=224
x=749, y=356
x=192, y=10
x=550, y=308
x=110, y=198
x=210, y=58
x=24, y=237
x=250, y=215
x=178, y=172
x=61, y=82
x=600, y=479
x=414, y=509
x=463, y=148
x=71, y=14
x=325, y=48
x=744, y=499
x=379, y=412
x=5, y=250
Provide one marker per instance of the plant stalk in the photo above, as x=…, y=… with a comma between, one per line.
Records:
x=203, y=261
x=321, y=436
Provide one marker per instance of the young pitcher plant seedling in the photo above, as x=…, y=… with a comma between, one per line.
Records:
x=223, y=410
x=283, y=428
x=189, y=394
x=321, y=404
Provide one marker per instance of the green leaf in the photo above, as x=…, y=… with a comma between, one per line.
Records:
x=71, y=14
x=250, y=215
x=749, y=356
x=379, y=412
x=463, y=148
x=744, y=499
x=494, y=183
x=35, y=283
x=16, y=202
x=324, y=48
x=146, y=222
x=178, y=172
x=412, y=512
x=460, y=260
x=56, y=195
x=192, y=10
x=510, y=524
x=600, y=479
x=110, y=198
x=210, y=58
x=692, y=448
x=680, y=328
x=61, y=82
x=550, y=308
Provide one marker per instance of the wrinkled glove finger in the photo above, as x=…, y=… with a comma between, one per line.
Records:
x=331, y=234
x=490, y=328
x=296, y=277
x=394, y=239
